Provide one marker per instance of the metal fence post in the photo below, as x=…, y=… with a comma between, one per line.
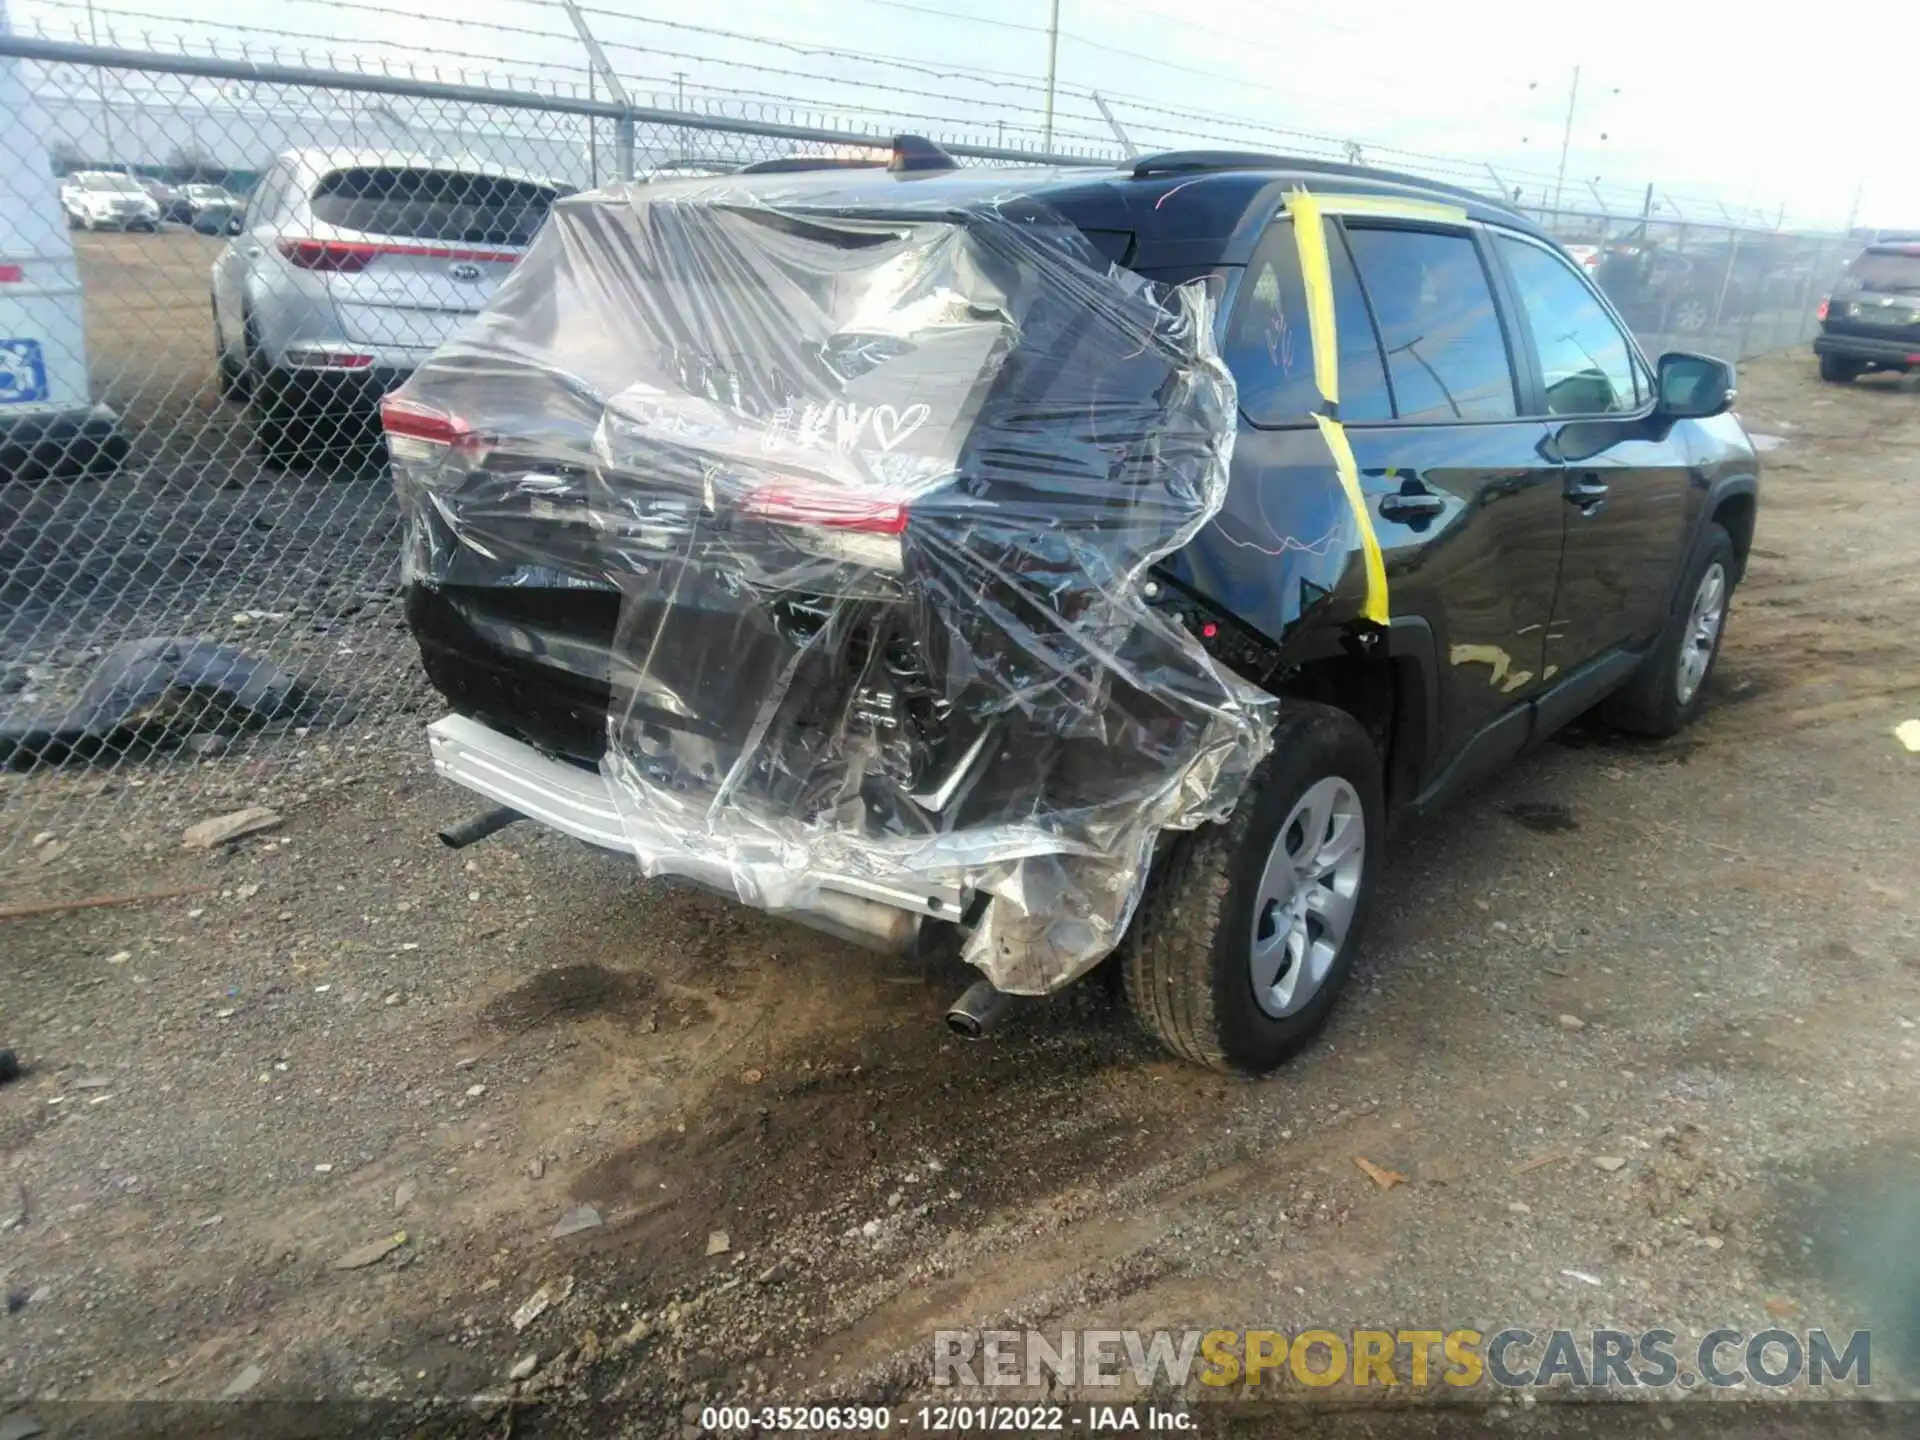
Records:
x=623, y=146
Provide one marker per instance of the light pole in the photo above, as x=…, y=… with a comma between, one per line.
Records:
x=1053, y=68
x=1566, y=140
x=100, y=86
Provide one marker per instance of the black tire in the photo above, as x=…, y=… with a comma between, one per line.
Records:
x=282, y=424
x=235, y=381
x=1186, y=965
x=1651, y=703
x=1836, y=371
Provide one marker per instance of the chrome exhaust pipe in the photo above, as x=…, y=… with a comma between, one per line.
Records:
x=472, y=832
x=981, y=1007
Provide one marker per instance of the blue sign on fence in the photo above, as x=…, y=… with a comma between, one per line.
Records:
x=23, y=372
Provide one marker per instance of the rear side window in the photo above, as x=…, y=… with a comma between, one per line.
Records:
x=432, y=205
x=1445, y=350
x=1269, y=345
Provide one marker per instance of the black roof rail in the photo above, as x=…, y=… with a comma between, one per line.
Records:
x=1167, y=162
x=911, y=153
x=796, y=164
x=1177, y=162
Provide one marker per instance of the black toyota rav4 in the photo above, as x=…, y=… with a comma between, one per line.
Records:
x=891, y=549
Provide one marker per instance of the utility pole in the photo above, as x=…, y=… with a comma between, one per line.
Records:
x=1853, y=210
x=1566, y=141
x=1053, y=68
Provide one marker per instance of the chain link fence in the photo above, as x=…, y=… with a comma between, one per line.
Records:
x=198, y=549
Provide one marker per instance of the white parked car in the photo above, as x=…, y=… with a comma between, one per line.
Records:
x=348, y=269
x=108, y=200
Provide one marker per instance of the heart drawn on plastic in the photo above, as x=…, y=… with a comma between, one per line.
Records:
x=891, y=426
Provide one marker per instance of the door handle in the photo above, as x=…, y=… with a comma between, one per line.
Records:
x=1587, y=492
x=1404, y=507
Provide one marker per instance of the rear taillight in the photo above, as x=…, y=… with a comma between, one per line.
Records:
x=348, y=257
x=421, y=439
x=12, y=274
x=328, y=256
x=1821, y=313
x=859, y=529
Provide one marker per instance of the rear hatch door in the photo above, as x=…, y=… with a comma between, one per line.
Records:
x=1879, y=297
x=410, y=252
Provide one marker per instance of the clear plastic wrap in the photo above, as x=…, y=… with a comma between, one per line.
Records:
x=877, y=480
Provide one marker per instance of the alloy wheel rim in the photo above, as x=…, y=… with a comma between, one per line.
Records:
x=1703, y=631
x=1303, y=908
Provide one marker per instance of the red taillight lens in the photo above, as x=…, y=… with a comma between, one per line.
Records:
x=828, y=509
x=12, y=274
x=411, y=420
x=1821, y=313
x=328, y=256
x=347, y=257
x=856, y=529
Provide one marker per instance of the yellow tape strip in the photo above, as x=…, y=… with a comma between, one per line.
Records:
x=1391, y=205
x=1310, y=238
x=1343, y=461
x=1316, y=275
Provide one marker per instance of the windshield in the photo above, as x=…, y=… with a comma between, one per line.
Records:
x=433, y=205
x=110, y=182
x=206, y=192
x=1888, y=271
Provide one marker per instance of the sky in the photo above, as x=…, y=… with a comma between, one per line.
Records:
x=1720, y=110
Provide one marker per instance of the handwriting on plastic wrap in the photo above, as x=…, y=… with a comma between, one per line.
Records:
x=821, y=425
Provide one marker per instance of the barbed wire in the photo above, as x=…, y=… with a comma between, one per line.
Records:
x=1076, y=125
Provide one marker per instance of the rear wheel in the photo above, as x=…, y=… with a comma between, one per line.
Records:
x=1837, y=371
x=1665, y=693
x=235, y=382
x=1691, y=315
x=1248, y=930
x=282, y=423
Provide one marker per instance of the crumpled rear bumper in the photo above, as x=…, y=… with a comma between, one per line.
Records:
x=576, y=801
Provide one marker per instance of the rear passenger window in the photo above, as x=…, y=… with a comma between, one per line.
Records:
x=1269, y=345
x=1445, y=351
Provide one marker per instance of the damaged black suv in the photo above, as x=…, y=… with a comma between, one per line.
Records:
x=1072, y=561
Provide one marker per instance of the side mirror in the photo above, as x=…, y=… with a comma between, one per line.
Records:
x=1694, y=387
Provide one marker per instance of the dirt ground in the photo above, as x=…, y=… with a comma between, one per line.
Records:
x=346, y=1032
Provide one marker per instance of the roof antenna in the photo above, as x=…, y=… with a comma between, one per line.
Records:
x=917, y=153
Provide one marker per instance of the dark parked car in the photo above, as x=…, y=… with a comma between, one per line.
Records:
x=1660, y=289
x=1872, y=319
x=190, y=202
x=1560, y=525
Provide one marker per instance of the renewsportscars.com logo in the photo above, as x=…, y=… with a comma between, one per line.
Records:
x=1363, y=1359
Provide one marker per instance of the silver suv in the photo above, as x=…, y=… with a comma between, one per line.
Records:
x=107, y=200
x=348, y=269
